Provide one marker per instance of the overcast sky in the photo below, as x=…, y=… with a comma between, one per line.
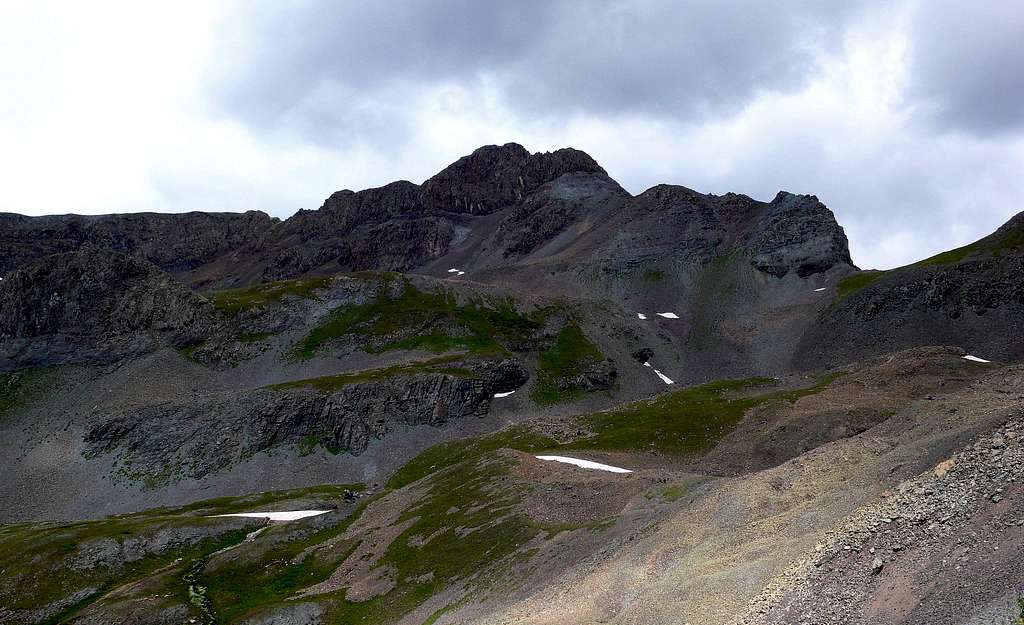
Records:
x=905, y=118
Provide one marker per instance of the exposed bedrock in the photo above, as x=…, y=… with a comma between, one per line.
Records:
x=95, y=305
x=971, y=305
x=200, y=435
x=495, y=177
x=798, y=233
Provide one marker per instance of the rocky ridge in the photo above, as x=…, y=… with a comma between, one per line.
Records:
x=192, y=437
x=969, y=296
x=94, y=305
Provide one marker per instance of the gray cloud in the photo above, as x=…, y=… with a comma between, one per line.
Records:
x=966, y=64
x=903, y=117
x=348, y=70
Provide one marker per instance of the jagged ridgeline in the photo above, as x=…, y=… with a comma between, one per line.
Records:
x=407, y=373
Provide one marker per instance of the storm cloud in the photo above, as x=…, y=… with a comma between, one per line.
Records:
x=967, y=65
x=903, y=117
x=351, y=69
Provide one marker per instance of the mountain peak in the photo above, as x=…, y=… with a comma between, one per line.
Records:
x=494, y=177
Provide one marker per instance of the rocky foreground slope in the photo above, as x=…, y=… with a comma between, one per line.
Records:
x=806, y=441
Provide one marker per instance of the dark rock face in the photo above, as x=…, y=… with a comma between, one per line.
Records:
x=394, y=227
x=402, y=225
x=94, y=305
x=172, y=242
x=970, y=304
x=385, y=228
x=599, y=376
x=195, y=438
x=495, y=177
x=791, y=233
x=798, y=233
x=547, y=212
x=643, y=354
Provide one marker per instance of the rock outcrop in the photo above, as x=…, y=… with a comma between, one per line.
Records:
x=493, y=177
x=174, y=242
x=553, y=208
x=797, y=233
x=970, y=297
x=193, y=437
x=395, y=227
x=94, y=305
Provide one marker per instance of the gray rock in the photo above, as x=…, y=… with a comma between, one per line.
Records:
x=196, y=436
x=94, y=306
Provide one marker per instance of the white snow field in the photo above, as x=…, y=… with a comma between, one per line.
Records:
x=647, y=364
x=290, y=515
x=453, y=270
x=975, y=358
x=664, y=378
x=641, y=315
x=505, y=394
x=586, y=464
x=821, y=289
x=668, y=315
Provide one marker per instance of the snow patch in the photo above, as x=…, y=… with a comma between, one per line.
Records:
x=506, y=394
x=668, y=315
x=460, y=273
x=289, y=515
x=664, y=378
x=453, y=270
x=586, y=464
x=641, y=315
x=975, y=358
x=647, y=364
x=821, y=289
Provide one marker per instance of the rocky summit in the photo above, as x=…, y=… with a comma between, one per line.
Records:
x=515, y=393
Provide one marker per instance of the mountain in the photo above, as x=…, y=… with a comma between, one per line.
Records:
x=796, y=440
x=969, y=296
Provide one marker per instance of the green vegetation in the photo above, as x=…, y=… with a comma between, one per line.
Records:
x=465, y=524
x=688, y=420
x=668, y=494
x=948, y=257
x=329, y=383
x=1007, y=242
x=653, y=275
x=857, y=281
x=674, y=492
x=231, y=302
x=20, y=387
x=569, y=357
x=42, y=564
x=446, y=454
x=415, y=319
x=242, y=503
x=283, y=565
x=39, y=563
x=682, y=422
x=254, y=337
x=189, y=352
